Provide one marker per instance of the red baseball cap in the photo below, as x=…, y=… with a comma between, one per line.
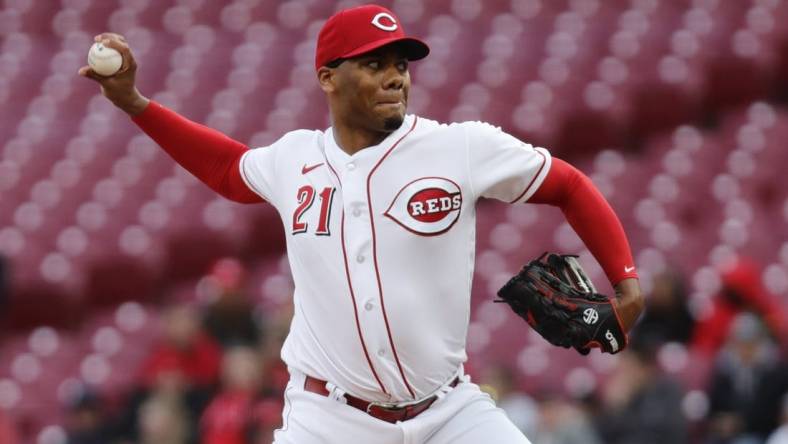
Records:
x=355, y=31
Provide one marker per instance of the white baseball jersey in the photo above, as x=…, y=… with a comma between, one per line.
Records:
x=381, y=246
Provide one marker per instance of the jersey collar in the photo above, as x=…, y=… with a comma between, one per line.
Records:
x=337, y=156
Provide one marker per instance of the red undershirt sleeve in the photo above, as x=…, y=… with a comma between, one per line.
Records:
x=209, y=155
x=590, y=216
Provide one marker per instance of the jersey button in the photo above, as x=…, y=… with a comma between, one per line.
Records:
x=356, y=212
x=359, y=258
x=368, y=306
x=381, y=352
x=351, y=166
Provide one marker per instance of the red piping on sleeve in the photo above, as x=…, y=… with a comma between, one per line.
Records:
x=531, y=183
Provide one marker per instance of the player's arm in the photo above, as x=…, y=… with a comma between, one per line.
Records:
x=596, y=223
x=208, y=154
x=211, y=156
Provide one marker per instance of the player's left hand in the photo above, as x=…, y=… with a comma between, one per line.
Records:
x=558, y=300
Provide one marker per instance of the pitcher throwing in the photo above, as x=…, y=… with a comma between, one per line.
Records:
x=379, y=213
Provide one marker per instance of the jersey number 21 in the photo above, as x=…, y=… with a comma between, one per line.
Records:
x=306, y=196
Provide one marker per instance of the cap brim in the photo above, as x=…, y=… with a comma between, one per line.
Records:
x=414, y=48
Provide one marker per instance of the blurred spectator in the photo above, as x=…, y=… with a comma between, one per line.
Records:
x=667, y=317
x=522, y=410
x=144, y=419
x=230, y=417
x=185, y=350
x=640, y=404
x=3, y=281
x=85, y=421
x=229, y=318
x=183, y=369
x=780, y=436
x=741, y=291
x=564, y=422
x=267, y=412
x=277, y=326
x=267, y=417
x=8, y=432
x=163, y=419
x=748, y=383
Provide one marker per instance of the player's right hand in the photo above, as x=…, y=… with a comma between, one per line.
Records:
x=120, y=87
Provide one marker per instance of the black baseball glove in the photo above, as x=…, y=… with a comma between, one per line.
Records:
x=557, y=299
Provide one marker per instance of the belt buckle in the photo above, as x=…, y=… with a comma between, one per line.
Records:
x=388, y=406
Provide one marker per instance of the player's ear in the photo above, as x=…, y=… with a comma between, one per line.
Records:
x=327, y=78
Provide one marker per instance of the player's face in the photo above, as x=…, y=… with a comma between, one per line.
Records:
x=372, y=89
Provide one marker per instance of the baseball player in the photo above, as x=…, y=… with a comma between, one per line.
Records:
x=379, y=215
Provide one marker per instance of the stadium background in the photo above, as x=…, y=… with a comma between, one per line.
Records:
x=136, y=306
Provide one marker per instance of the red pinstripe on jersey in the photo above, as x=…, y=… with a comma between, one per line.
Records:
x=350, y=287
x=375, y=255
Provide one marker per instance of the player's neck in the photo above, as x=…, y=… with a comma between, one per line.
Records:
x=352, y=139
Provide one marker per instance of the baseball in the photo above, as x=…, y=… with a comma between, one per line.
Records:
x=104, y=60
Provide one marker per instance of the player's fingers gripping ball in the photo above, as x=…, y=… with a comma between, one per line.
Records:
x=104, y=60
x=558, y=300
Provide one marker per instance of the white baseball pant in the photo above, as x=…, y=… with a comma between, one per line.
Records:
x=464, y=415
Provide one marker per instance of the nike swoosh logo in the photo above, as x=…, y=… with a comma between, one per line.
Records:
x=305, y=169
x=628, y=269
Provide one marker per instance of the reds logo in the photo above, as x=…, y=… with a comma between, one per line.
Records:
x=378, y=22
x=428, y=206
